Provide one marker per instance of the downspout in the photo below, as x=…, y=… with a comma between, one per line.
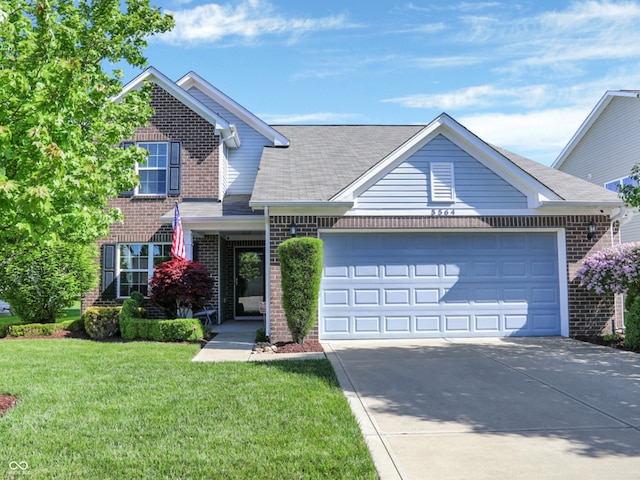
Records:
x=267, y=267
x=621, y=217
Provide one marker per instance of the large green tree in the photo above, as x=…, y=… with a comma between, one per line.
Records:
x=59, y=128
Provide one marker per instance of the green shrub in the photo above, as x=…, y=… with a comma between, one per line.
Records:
x=178, y=330
x=301, y=271
x=34, y=329
x=632, y=323
x=101, y=322
x=41, y=281
x=73, y=325
x=261, y=335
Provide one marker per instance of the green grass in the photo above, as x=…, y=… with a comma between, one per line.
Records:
x=143, y=410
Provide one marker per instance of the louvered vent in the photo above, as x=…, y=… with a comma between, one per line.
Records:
x=442, y=185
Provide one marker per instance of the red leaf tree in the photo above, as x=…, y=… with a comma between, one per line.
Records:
x=179, y=286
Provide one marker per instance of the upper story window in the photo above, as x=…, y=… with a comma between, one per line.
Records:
x=153, y=173
x=615, y=185
x=160, y=174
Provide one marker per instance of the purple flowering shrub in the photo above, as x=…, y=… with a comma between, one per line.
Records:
x=612, y=270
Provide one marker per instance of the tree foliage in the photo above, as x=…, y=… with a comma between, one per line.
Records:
x=301, y=272
x=179, y=286
x=40, y=282
x=59, y=128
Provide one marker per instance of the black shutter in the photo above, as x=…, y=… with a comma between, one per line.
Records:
x=128, y=193
x=109, y=270
x=174, y=168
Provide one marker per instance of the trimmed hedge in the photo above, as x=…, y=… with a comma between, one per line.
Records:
x=178, y=330
x=101, y=322
x=40, y=329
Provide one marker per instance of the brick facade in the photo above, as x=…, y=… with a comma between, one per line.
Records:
x=589, y=314
x=200, y=149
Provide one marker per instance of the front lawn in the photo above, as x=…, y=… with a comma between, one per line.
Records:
x=143, y=410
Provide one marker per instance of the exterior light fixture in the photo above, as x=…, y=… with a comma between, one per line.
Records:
x=294, y=229
x=591, y=230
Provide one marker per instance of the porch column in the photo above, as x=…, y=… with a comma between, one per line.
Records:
x=188, y=243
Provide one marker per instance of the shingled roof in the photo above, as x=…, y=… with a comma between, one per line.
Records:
x=321, y=160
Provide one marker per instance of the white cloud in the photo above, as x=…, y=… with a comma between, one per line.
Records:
x=247, y=20
x=559, y=39
x=308, y=118
x=476, y=96
x=540, y=135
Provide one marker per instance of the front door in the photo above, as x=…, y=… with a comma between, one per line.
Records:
x=249, y=282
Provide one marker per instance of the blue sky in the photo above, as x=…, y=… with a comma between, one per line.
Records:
x=520, y=74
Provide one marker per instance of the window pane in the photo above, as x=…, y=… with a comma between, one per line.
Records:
x=613, y=186
x=153, y=173
x=629, y=181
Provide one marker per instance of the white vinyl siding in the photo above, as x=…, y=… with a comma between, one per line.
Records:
x=473, y=186
x=611, y=147
x=243, y=162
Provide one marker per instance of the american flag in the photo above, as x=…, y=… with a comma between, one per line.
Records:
x=177, y=246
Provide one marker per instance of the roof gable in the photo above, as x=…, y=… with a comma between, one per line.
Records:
x=591, y=119
x=446, y=126
x=440, y=175
x=192, y=79
x=226, y=130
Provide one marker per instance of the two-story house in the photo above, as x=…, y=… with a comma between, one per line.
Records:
x=427, y=230
x=606, y=147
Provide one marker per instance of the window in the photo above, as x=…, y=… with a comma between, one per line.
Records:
x=615, y=185
x=136, y=262
x=153, y=173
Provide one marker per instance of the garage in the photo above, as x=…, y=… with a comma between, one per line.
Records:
x=440, y=284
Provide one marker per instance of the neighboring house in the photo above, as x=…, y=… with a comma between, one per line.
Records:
x=428, y=231
x=606, y=147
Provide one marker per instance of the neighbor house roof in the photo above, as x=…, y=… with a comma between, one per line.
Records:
x=590, y=120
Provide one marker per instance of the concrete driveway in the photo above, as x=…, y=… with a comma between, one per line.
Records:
x=522, y=408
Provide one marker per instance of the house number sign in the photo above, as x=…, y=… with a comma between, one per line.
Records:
x=442, y=212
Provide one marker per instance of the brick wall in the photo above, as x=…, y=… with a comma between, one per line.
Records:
x=589, y=314
x=199, y=179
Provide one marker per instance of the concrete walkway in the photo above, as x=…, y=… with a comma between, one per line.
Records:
x=233, y=343
x=522, y=408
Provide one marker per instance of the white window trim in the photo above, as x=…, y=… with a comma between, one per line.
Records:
x=149, y=268
x=619, y=181
x=136, y=190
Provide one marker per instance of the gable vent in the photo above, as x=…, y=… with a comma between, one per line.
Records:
x=442, y=185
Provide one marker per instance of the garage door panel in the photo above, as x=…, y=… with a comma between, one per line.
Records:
x=365, y=324
x=499, y=284
x=397, y=324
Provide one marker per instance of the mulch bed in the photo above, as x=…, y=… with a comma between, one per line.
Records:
x=6, y=402
x=290, y=347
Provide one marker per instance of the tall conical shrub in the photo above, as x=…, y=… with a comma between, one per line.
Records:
x=301, y=272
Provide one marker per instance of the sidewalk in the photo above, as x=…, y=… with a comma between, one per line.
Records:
x=233, y=343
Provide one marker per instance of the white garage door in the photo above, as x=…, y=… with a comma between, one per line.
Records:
x=402, y=285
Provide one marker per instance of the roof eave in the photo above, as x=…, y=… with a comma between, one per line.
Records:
x=193, y=79
x=227, y=131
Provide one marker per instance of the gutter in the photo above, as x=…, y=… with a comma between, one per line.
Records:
x=298, y=203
